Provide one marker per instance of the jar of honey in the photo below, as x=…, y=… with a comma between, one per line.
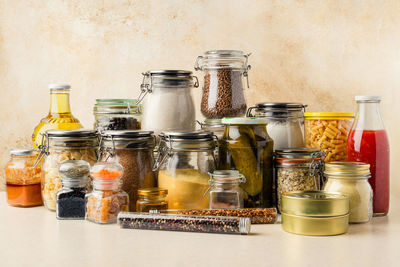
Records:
x=152, y=199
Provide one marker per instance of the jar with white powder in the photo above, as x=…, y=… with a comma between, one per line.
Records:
x=169, y=104
x=285, y=122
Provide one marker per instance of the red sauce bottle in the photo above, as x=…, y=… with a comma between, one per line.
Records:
x=368, y=142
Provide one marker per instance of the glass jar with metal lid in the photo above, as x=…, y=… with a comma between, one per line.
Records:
x=61, y=145
x=298, y=169
x=184, y=160
x=317, y=213
x=169, y=105
x=247, y=147
x=285, y=122
x=223, y=90
x=351, y=178
x=225, y=191
x=217, y=128
x=117, y=114
x=133, y=150
x=152, y=199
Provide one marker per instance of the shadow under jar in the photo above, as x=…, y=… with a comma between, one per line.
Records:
x=247, y=147
x=117, y=114
x=285, y=122
x=223, y=90
x=62, y=145
x=184, y=160
x=169, y=103
x=133, y=150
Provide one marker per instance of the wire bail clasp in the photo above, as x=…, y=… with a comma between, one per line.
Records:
x=317, y=168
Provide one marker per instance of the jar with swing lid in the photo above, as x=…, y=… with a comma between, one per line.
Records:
x=298, y=169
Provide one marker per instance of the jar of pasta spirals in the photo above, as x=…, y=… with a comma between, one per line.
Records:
x=328, y=132
x=62, y=145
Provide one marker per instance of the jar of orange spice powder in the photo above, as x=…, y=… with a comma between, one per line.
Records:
x=23, y=180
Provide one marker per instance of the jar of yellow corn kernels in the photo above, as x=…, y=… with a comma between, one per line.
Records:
x=62, y=145
x=328, y=132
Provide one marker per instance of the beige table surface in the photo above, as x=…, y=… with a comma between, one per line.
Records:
x=34, y=237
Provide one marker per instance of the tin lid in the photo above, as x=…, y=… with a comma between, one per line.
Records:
x=367, y=98
x=168, y=78
x=79, y=133
x=21, y=152
x=314, y=203
x=347, y=170
x=212, y=123
x=244, y=120
x=223, y=53
x=126, y=134
x=226, y=176
x=281, y=105
x=59, y=86
x=328, y=115
x=153, y=191
x=194, y=135
x=296, y=153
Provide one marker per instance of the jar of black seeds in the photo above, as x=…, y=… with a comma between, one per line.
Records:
x=71, y=197
x=223, y=89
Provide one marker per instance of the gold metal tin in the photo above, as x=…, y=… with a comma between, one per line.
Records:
x=347, y=169
x=314, y=203
x=316, y=226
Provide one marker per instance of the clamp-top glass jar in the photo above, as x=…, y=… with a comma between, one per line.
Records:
x=285, y=122
x=63, y=145
x=117, y=114
x=169, y=105
x=223, y=93
x=133, y=150
x=184, y=161
x=298, y=169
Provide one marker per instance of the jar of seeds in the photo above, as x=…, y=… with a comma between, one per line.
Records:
x=298, y=169
x=223, y=94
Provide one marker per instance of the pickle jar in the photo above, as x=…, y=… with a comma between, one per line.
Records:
x=285, y=122
x=134, y=151
x=107, y=199
x=62, y=145
x=184, y=161
x=117, y=114
x=223, y=89
x=298, y=169
x=247, y=147
x=22, y=179
x=351, y=179
x=152, y=199
x=225, y=191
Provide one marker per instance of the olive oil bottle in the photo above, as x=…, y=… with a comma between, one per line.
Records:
x=59, y=116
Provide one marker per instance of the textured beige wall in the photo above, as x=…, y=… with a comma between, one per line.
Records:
x=317, y=52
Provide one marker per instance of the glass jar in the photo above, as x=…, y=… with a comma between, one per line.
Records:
x=351, y=179
x=368, y=142
x=298, y=169
x=59, y=117
x=247, y=147
x=152, y=199
x=223, y=93
x=184, y=160
x=225, y=191
x=217, y=128
x=169, y=105
x=71, y=197
x=22, y=179
x=133, y=150
x=285, y=122
x=107, y=199
x=64, y=145
x=328, y=132
x=117, y=114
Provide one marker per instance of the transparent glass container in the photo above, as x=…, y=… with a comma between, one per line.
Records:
x=117, y=114
x=298, y=169
x=152, y=199
x=133, y=150
x=107, y=199
x=59, y=117
x=22, y=179
x=217, y=128
x=184, y=160
x=351, y=179
x=223, y=90
x=247, y=147
x=285, y=122
x=62, y=145
x=71, y=197
x=368, y=142
x=169, y=103
x=225, y=191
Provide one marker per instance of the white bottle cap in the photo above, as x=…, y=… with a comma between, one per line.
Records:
x=368, y=98
x=59, y=86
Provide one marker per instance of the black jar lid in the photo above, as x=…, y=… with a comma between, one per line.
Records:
x=281, y=105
